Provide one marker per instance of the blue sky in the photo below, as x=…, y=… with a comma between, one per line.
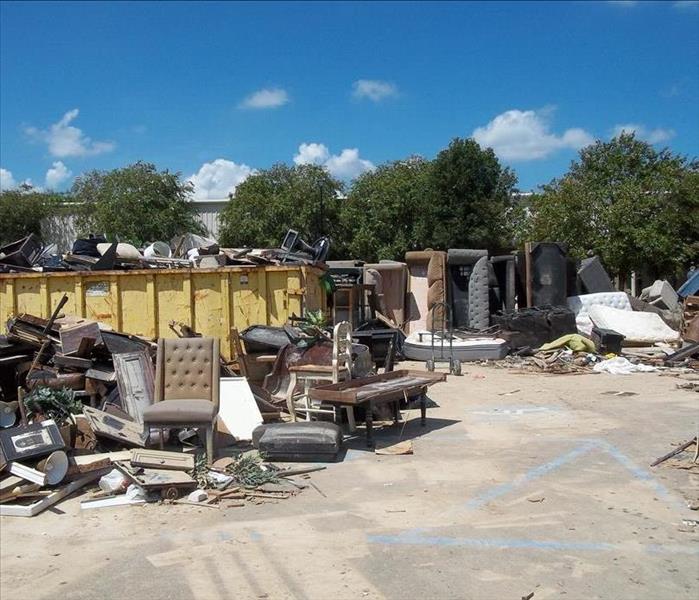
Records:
x=215, y=90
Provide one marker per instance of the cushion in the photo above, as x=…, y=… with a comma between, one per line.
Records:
x=478, y=299
x=180, y=411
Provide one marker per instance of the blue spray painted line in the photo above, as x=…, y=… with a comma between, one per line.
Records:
x=414, y=538
x=672, y=549
x=529, y=476
x=638, y=472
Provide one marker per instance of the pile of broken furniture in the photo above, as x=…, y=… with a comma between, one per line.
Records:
x=519, y=311
x=83, y=406
x=75, y=409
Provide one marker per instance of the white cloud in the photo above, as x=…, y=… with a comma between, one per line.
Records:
x=374, y=89
x=63, y=139
x=313, y=153
x=57, y=174
x=7, y=181
x=215, y=180
x=652, y=136
x=525, y=135
x=346, y=165
x=266, y=98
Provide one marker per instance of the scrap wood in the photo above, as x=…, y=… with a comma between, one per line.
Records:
x=86, y=463
x=20, y=510
x=188, y=503
x=20, y=488
x=299, y=471
x=271, y=495
x=680, y=448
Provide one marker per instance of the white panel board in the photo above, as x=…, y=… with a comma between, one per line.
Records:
x=238, y=413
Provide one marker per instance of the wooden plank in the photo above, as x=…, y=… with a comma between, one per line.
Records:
x=94, y=462
x=160, y=459
x=383, y=387
x=30, y=510
x=71, y=337
x=103, y=373
x=136, y=382
x=151, y=479
x=9, y=483
x=111, y=426
x=61, y=360
x=25, y=472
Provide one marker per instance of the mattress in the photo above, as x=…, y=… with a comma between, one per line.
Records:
x=636, y=327
x=418, y=346
x=581, y=305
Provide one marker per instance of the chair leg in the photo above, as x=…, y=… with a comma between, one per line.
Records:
x=162, y=439
x=210, y=431
x=307, y=399
x=290, y=396
x=351, y=424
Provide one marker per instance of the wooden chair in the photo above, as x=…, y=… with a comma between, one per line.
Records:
x=339, y=370
x=186, y=387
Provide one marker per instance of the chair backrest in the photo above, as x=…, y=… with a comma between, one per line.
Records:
x=342, y=349
x=187, y=369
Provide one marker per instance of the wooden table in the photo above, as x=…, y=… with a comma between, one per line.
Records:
x=379, y=389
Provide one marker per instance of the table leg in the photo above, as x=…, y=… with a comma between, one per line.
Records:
x=423, y=409
x=369, y=420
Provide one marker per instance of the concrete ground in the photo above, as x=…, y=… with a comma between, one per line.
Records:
x=520, y=483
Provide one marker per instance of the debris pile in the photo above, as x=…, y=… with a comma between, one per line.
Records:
x=74, y=394
x=95, y=253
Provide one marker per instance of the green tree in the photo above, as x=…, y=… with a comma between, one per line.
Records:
x=22, y=211
x=274, y=200
x=634, y=206
x=383, y=211
x=138, y=204
x=471, y=197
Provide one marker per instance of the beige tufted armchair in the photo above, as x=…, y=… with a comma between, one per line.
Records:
x=186, y=387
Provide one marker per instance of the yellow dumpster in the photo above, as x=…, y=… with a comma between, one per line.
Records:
x=143, y=302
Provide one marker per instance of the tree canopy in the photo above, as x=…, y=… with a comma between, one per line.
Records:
x=137, y=203
x=634, y=206
x=461, y=199
x=22, y=211
x=471, y=195
x=382, y=216
x=274, y=200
